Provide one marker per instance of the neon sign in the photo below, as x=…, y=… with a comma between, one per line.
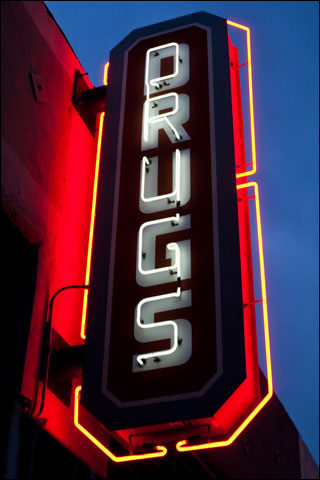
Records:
x=164, y=164
x=169, y=321
x=171, y=276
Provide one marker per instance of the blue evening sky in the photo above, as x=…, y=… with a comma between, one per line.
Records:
x=285, y=50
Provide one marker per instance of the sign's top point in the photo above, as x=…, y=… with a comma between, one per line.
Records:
x=201, y=17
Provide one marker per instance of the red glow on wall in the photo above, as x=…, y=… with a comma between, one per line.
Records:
x=69, y=222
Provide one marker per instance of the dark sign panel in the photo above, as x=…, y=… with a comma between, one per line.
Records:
x=165, y=335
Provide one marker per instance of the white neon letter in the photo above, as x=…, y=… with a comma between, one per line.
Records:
x=178, y=330
x=150, y=201
x=175, y=106
x=146, y=273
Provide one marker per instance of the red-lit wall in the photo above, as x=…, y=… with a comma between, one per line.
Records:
x=48, y=161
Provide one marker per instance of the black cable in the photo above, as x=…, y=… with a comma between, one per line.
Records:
x=46, y=353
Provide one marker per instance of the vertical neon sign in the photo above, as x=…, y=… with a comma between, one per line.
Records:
x=163, y=260
x=167, y=291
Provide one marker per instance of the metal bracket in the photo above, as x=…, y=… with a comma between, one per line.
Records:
x=47, y=351
x=88, y=101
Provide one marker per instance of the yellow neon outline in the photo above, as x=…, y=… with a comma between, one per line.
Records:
x=93, y=210
x=180, y=446
x=253, y=141
x=105, y=74
x=92, y=220
x=127, y=458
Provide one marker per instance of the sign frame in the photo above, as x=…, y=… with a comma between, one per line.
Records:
x=226, y=256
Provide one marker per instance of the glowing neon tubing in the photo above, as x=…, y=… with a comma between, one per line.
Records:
x=105, y=74
x=162, y=451
x=170, y=246
x=174, y=347
x=182, y=446
x=175, y=193
x=262, y=279
x=154, y=81
x=253, y=142
x=93, y=210
x=140, y=358
x=162, y=116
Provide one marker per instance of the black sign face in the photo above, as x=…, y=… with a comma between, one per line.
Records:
x=164, y=338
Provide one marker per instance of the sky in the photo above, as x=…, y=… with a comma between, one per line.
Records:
x=285, y=66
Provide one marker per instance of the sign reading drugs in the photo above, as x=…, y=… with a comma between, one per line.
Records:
x=175, y=108
x=164, y=334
